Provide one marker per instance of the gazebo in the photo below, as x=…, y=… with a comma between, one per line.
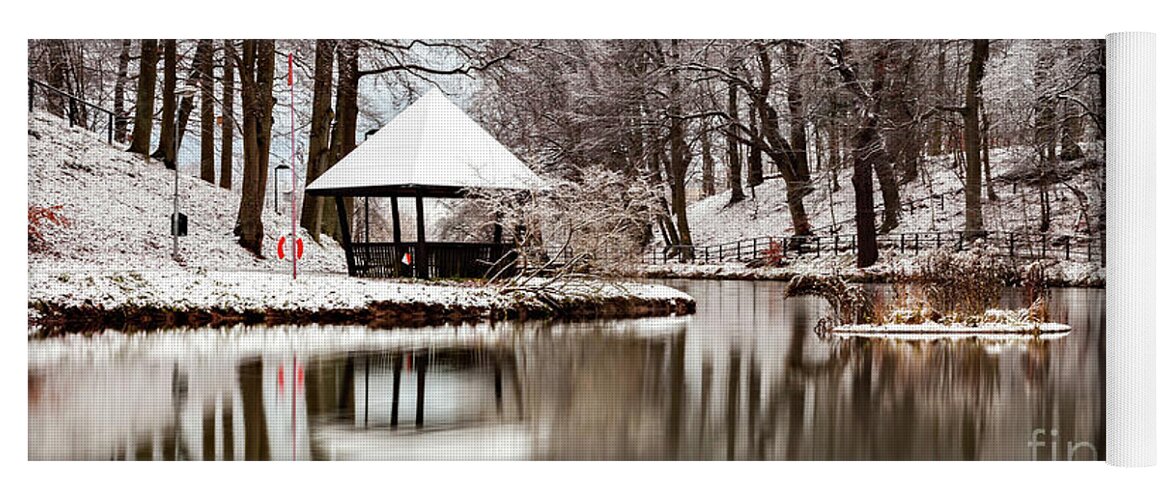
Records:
x=432, y=149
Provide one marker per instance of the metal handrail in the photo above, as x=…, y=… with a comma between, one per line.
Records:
x=74, y=101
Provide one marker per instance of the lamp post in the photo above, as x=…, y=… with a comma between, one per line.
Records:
x=186, y=92
x=276, y=174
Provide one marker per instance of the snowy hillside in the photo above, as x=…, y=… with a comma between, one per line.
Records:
x=712, y=221
x=118, y=206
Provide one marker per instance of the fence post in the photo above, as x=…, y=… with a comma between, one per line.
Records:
x=32, y=89
x=110, y=128
x=817, y=244
x=1067, y=247
x=738, y=256
x=938, y=240
x=836, y=244
x=916, y=243
x=785, y=247
x=903, y=243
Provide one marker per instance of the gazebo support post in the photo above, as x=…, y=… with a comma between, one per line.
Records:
x=398, y=235
x=398, y=231
x=421, y=239
x=344, y=224
x=498, y=230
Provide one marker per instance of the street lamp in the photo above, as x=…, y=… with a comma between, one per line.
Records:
x=278, y=173
x=188, y=91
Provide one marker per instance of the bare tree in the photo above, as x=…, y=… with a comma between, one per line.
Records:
x=166, y=150
x=227, y=114
x=148, y=61
x=733, y=147
x=204, y=55
x=120, y=91
x=322, y=116
x=970, y=112
x=256, y=76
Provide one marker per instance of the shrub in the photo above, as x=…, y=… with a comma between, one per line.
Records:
x=850, y=301
x=774, y=255
x=956, y=283
x=39, y=218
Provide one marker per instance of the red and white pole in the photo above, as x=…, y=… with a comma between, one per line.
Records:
x=293, y=163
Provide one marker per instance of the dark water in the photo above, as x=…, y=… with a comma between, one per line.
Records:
x=745, y=378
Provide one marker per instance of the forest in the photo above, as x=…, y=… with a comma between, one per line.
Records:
x=687, y=119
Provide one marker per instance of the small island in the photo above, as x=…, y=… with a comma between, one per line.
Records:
x=944, y=295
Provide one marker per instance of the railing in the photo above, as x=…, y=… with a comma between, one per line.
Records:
x=1026, y=246
x=444, y=259
x=76, y=109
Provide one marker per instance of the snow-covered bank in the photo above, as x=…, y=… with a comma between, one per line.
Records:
x=89, y=300
x=1057, y=273
x=118, y=206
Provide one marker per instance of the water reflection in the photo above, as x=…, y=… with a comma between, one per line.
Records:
x=745, y=378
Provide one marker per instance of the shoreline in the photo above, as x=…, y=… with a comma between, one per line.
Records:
x=89, y=301
x=881, y=274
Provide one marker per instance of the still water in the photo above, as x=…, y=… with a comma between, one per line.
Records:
x=745, y=378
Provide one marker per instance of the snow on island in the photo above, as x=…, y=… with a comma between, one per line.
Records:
x=111, y=266
x=933, y=331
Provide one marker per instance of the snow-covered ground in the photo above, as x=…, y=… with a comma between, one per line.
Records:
x=713, y=221
x=119, y=205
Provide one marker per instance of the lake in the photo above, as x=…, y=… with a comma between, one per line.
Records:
x=745, y=378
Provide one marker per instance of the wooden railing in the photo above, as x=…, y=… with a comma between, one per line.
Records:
x=1025, y=246
x=444, y=259
x=76, y=109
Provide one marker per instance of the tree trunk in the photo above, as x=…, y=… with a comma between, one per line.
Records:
x=864, y=199
x=144, y=103
x=265, y=69
x=227, y=111
x=203, y=55
x=835, y=143
x=187, y=103
x=906, y=135
x=709, y=164
x=319, y=134
x=1071, y=131
x=734, y=163
x=344, y=134
x=680, y=157
x=120, y=92
x=780, y=151
x=973, y=211
x=888, y=180
x=984, y=143
x=256, y=73
x=59, y=78
x=755, y=157
x=797, y=119
x=166, y=149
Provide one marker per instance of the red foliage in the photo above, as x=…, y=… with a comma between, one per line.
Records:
x=38, y=219
x=774, y=255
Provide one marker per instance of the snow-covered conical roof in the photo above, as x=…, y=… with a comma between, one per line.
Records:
x=432, y=147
